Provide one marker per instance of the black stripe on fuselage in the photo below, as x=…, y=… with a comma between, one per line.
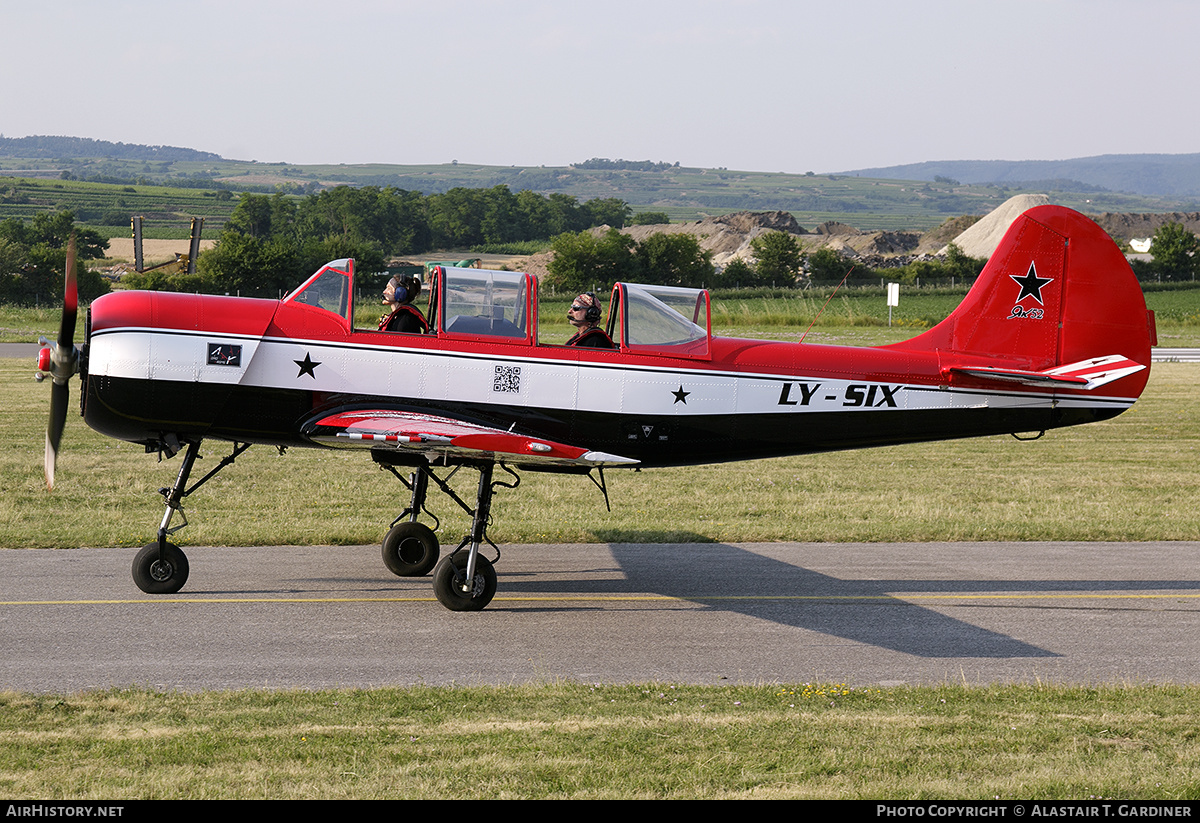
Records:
x=143, y=411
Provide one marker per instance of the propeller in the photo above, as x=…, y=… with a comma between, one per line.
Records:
x=60, y=361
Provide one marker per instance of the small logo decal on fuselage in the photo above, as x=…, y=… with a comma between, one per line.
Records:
x=224, y=354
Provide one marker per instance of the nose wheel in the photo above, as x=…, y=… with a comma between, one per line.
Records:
x=160, y=569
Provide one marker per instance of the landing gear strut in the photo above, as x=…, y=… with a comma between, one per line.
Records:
x=161, y=567
x=410, y=549
x=464, y=580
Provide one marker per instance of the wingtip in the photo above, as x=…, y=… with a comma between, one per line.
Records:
x=607, y=460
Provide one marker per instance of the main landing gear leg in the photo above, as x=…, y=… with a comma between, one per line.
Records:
x=411, y=549
x=161, y=567
x=465, y=580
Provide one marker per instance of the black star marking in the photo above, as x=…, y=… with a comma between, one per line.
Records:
x=1031, y=284
x=307, y=366
x=680, y=395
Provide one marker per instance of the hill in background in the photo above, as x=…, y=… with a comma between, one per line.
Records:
x=56, y=147
x=1157, y=175
x=933, y=192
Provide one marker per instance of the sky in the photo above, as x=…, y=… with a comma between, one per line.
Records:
x=752, y=85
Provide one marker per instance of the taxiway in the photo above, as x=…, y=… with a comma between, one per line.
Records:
x=315, y=617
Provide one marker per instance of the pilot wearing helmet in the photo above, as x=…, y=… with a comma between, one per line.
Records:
x=584, y=315
x=398, y=295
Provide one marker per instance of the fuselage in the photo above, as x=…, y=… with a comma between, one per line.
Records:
x=165, y=366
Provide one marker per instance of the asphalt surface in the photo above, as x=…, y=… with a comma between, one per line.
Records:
x=863, y=614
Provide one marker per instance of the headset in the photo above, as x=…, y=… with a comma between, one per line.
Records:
x=407, y=288
x=592, y=315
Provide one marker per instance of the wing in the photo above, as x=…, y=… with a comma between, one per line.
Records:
x=433, y=436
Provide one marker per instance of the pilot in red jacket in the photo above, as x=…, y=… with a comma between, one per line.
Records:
x=584, y=315
x=398, y=295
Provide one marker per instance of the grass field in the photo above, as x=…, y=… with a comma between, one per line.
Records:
x=108, y=207
x=653, y=741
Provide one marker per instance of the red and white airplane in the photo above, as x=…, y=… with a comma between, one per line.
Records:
x=1055, y=332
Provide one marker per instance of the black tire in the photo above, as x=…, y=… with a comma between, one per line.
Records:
x=410, y=550
x=155, y=576
x=451, y=570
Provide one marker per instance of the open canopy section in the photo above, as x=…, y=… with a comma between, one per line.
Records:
x=486, y=303
x=662, y=320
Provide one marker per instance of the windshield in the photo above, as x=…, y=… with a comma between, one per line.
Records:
x=328, y=289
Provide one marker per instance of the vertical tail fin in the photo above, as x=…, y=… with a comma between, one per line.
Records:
x=1056, y=292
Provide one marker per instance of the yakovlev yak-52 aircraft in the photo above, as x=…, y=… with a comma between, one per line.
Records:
x=1055, y=332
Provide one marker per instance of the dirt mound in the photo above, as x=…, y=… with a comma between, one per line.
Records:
x=935, y=240
x=727, y=236
x=1126, y=227
x=982, y=238
x=752, y=221
x=833, y=227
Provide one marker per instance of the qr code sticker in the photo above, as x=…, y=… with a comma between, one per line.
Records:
x=508, y=379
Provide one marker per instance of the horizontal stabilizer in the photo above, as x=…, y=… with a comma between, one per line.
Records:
x=1086, y=374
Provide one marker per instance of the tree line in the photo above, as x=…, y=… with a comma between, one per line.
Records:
x=33, y=256
x=1176, y=255
x=50, y=146
x=625, y=165
x=271, y=242
x=589, y=262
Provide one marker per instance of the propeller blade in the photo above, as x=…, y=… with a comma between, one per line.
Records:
x=66, y=331
x=62, y=359
x=60, y=397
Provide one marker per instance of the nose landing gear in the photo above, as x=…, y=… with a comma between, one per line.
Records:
x=161, y=567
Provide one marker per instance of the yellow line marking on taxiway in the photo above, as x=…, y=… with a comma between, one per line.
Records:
x=615, y=598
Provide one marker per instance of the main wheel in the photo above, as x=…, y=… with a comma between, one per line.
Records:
x=155, y=575
x=410, y=549
x=448, y=577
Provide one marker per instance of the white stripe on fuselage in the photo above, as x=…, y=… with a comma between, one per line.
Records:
x=532, y=382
